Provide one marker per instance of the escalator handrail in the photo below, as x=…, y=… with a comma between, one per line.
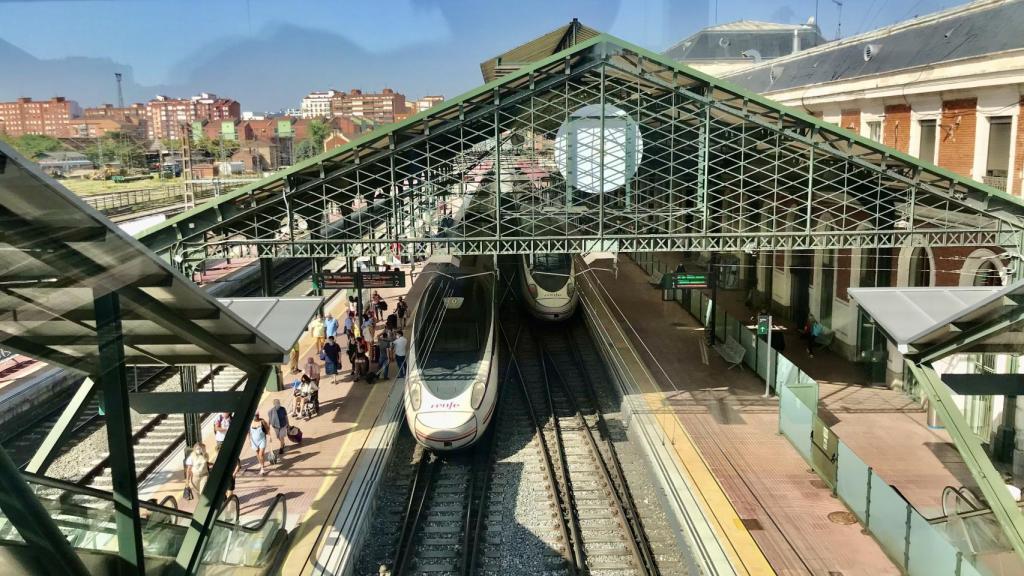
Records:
x=107, y=496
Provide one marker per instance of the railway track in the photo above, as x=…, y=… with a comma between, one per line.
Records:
x=546, y=492
x=23, y=444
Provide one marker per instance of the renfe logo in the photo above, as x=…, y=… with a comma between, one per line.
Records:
x=449, y=405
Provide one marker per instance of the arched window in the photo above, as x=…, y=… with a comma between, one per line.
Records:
x=920, y=268
x=987, y=275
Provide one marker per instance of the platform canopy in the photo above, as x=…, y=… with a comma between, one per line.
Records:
x=933, y=322
x=58, y=256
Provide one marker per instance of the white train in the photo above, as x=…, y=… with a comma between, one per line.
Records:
x=452, y=377
x=548, y=285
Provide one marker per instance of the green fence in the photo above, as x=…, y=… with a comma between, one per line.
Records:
x=917, y=546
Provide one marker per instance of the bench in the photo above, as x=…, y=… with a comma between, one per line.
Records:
x=731, y=351
x=825, y=339
x=655, y=279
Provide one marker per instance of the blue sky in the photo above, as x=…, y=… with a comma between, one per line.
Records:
x=268, y=53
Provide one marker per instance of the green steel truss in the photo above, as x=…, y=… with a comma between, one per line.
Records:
x=717, y=169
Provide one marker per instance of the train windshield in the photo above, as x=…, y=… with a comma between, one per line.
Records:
x=550, y=271
x=450, y=342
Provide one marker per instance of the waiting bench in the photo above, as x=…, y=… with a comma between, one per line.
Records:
x=656, y=278
x=732, y=351
x=824, y=339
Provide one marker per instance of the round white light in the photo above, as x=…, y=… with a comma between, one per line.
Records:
x=591, y=165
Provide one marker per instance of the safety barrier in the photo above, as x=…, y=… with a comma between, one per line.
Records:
x=915, y=544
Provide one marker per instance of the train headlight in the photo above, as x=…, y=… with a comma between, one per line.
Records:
x=570, y=288
x=414, y=394
x=533, y=289
x=479, y=387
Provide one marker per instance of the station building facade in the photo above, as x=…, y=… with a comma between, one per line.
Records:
x=946, y=88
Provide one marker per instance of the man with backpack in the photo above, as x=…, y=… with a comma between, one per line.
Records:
x=278, y=418
x=812, y=330
x=401, y=309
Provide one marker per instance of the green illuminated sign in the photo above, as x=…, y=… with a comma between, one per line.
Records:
x=677, y=280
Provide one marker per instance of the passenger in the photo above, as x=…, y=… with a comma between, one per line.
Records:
x=330, y=326
x=278, y=418
x=312, y=370
x=332, y=358
x=382, y=308
x=383, y=355
x=309, y=395
x=402, y=308
x=220, y=428
x=361, y=366
x=197, y=469
x=812, y=329
x=297, y=399
x=391, y=323
x=401, y=346
x=353, y=349
x=258, y=432
x=318, y=331
x=293, y=359
x=375, y=305
x=349, y=321
x=368, y=326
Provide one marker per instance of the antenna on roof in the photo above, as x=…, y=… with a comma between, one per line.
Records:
x=839, y=21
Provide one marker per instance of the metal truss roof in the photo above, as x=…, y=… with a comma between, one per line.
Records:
x=672, y=160
x=58, y=256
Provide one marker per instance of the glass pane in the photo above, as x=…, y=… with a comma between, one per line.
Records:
x=720, y=322
x=695, y=303
x=853, y=482
x=762, y=358
x=705, y=305
x=930, y=553
x=747, y=339
x=795, y=422
x=888, y=520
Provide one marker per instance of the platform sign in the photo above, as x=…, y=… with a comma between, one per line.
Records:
x=357, y=280
x=684, y=280
x=389, y=279
x=763, y=322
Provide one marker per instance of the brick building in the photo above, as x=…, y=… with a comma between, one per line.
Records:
x=98, y=127
x=382, y=107
x=48, y=118
x=944, y=88
x=165, y=116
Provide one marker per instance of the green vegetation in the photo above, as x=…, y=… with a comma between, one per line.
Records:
x=216, y=148
x=117, y=147
x=33, y=146
x=314, y=144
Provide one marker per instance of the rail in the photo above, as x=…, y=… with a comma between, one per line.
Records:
x=413, y=512
x=549, y=470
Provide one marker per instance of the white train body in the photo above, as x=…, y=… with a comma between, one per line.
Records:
x=548, y=285
x=452, y=377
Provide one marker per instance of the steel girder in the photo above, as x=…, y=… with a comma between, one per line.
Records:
x=675, y=160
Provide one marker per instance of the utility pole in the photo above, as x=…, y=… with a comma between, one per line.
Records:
x=839, y=22
x=120, y=92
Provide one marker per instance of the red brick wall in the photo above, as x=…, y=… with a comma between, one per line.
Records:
x=949, y=261
x=850, y=119
x=956, y=135
x=897, y=127
x=843, y=274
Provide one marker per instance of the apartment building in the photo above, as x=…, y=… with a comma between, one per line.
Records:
x=166, y=117
x=381, y=107
x=425, y=103
x=317, y=104
x=47, y=118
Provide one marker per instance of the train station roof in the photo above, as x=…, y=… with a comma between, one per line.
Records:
x=925, y=321
x=59, y=258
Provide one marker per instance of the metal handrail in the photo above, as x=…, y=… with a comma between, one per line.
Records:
x=150, y=506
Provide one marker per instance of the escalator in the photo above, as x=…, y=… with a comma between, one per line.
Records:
x=86, y=518
x=970, y=524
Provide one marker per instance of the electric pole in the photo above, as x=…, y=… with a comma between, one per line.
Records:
x=120, y=92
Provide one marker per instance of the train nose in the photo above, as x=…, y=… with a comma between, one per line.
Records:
x=446, y=430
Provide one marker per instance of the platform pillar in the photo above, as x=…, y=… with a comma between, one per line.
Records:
x=193, y=425
x=266, y=277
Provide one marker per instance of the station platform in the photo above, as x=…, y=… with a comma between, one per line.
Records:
x=771, y=492
x=312, y=475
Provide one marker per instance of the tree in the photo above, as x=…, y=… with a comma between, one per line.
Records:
x=117, y=147
x=33, y=146
x=170, y=145
x=314, y=144
x=217, y=148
